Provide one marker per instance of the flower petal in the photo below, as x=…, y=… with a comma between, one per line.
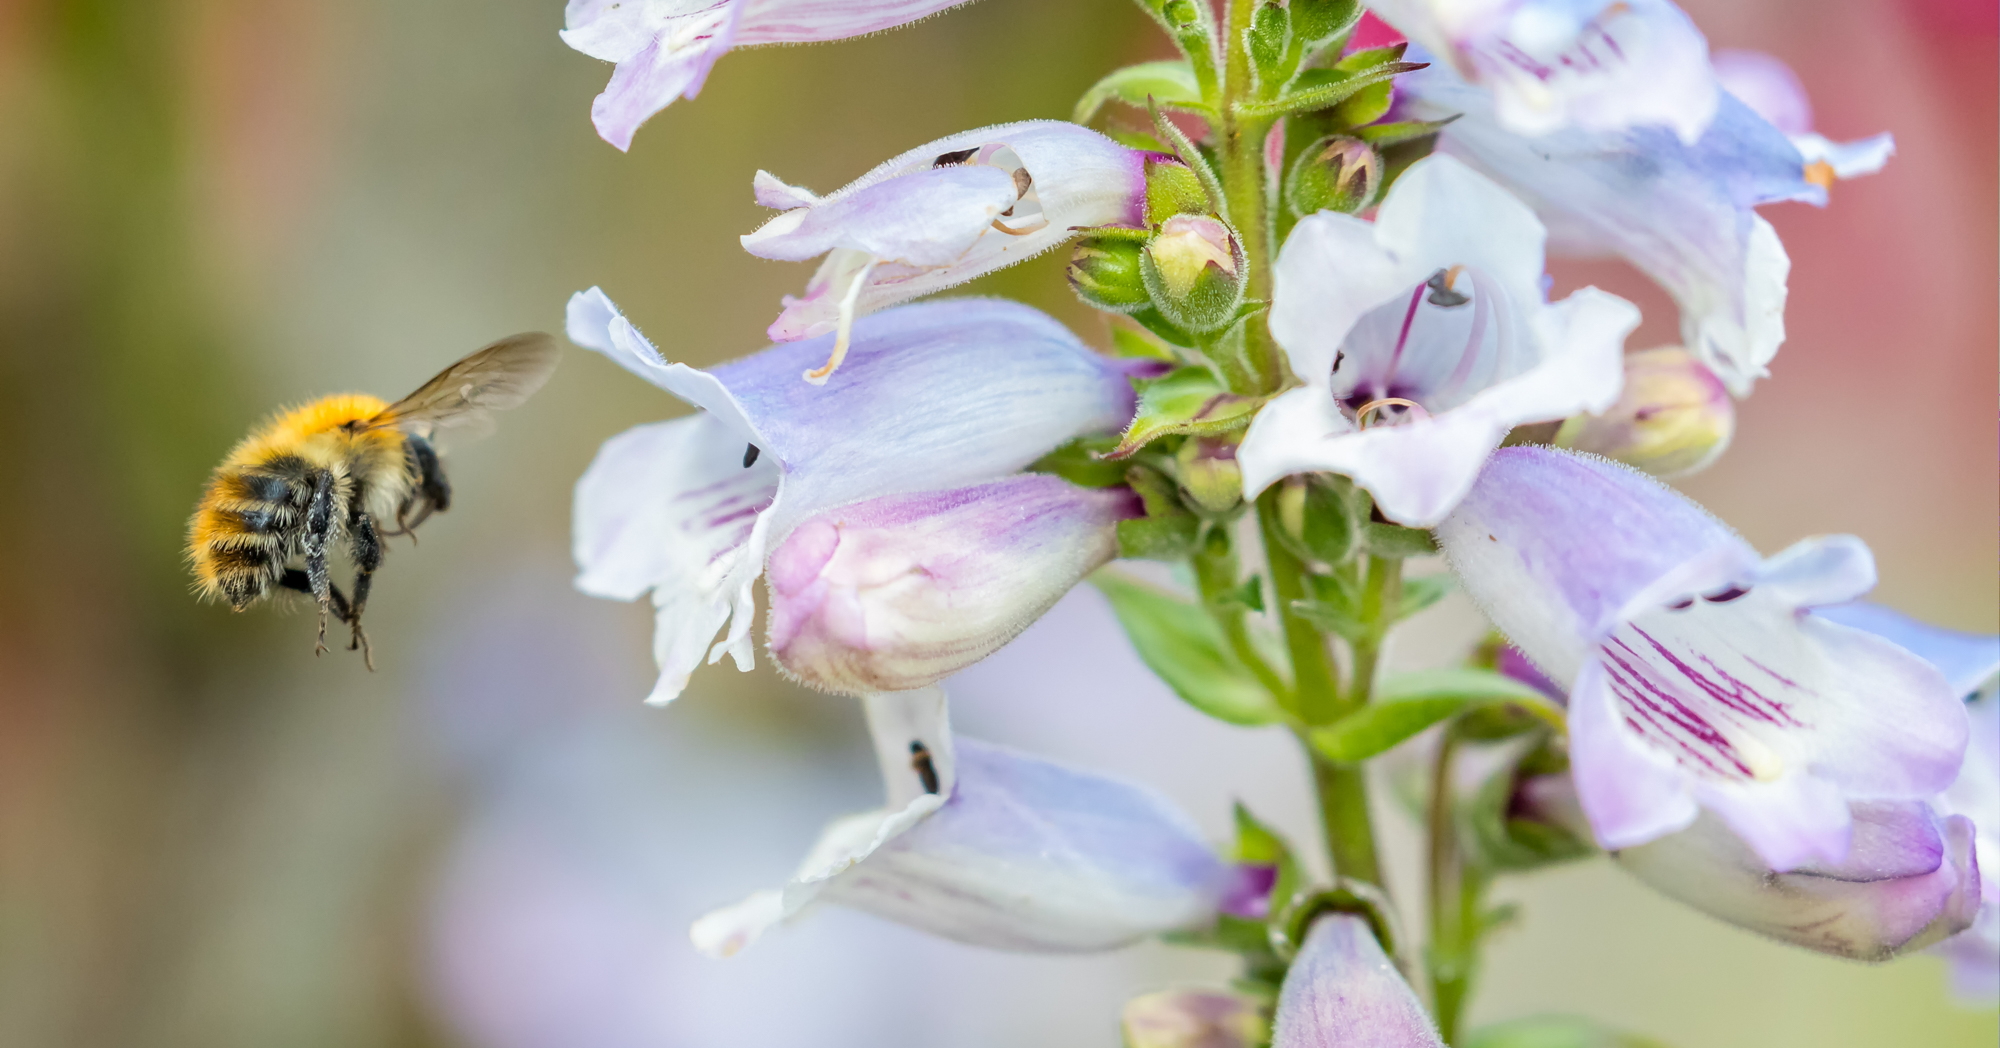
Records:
x=899, y=592
x=1342, y=992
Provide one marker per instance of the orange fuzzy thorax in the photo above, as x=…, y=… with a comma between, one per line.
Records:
x=371, y=460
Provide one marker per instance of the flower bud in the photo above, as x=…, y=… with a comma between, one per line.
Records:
x=1172, y=189
x=1673, y=418
x=1336, y=173
x=1208, y=471
x=896, y=593
x=1193, y=1019
x=1342, y=990
x=1194, y=272
x=1104, y=273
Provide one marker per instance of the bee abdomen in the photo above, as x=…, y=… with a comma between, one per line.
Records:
x=243, y=534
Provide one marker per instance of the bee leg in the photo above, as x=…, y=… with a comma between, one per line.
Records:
x=366, y=545
x=294, y=579
x=318, y=533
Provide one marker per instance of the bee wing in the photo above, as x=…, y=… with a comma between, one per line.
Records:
x=501, y=376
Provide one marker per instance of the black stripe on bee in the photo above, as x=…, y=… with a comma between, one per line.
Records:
x=920, y=761
x=258, y=520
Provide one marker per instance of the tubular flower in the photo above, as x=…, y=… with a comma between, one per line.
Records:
x=1342, y=992
x=1910, y=877
x=1423, y=337
x=994, y=848
x=1602, y=65
x=1769, y=87
x=1971, y=663
x=1682, y=213
x=664, y=48
x=940, y=215
x=899, y=592
x=939, y=395
x=1695, y=680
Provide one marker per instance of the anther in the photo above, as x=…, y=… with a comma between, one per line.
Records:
x=1362, y=413
x=920, y=761
x=749, y=455
x=819, y=375
x=1441, y=292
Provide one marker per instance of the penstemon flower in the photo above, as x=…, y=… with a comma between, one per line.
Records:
x=987, y=846
x=1603, y=65
x=1342, y=990
x=937, y=396
x=899, y=592
x=1769, y=87
x=1683, y=213
x=1423, y=337
x=940, y=215
x=664, y=48
x=1695, y=681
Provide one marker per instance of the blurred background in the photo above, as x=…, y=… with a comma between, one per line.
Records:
x=210, y=838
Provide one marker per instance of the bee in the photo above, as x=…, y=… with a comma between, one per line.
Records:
x=334, y=470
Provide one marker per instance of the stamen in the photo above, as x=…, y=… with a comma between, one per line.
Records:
x=749, y=455
x=1441, y=283
x=1821, y=174
x=819, y=375
x=1361, y=413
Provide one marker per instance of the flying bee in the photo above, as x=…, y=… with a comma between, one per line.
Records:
x=336, y=468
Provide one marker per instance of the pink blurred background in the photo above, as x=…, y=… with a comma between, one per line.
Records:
x=208, y=837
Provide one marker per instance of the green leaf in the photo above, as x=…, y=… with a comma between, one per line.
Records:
x=1336, y=619
x=1188, y=400
x=1249, y=595
x=1554, y=1031
x=1181, y=643
x=1317, y=21
x=1368, y=105
x=1323, y=88
x=1268, y=41
x=1320, y=517
x=1422, y=591
x=1396, y=542
x=1168, y=530
x=1407, y=703
x=1171, y=83
x=1135, y=345
x=1082, y=462
x=1382, y=136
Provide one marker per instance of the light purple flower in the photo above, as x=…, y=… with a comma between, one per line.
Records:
x=1910, y=877
x=664, y=48
x=1342, y=992
x=995, y=848
x=1971, y=664
x=940, y=215
x=1695, y=680
x=939, y=395
x=1768, y=86
x=899, y=592
x=1684, y=214
x=1422, y=338
x=1194, y=1019
x=1601, y=65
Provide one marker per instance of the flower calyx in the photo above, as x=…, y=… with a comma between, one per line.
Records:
x=1336, y=173
x=1194, y=272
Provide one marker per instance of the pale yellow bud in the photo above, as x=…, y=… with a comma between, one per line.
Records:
x=1673, y=418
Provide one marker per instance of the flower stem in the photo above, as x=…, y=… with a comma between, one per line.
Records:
x=1380, y=595
x=1455, y=896
x=1245, y=185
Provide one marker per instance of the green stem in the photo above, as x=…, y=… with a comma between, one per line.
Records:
x=1380, y=595
x=1216, y=573
x=1241, y=143
x=1450, y=946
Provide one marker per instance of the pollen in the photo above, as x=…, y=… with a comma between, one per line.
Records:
x=1820, y=173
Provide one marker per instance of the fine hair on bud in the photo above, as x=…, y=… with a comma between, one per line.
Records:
x=1105, y=272
x=1336, y=173
x=1194, y=272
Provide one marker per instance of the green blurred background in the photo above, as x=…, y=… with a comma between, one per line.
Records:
x=210, y=838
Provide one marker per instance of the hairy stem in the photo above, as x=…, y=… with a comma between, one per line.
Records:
x=1380, y=595
x=1453, y=916
x=1245, y=184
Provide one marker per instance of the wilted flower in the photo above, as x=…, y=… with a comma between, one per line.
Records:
x=1683, y=213
x=1342, y=992
x=995, y=848
x=664, y=48
x=1423, y=337
x=938, y=396
x=899, y=592
x=940, y=215
x=1695, y=680
x=1604, y=65
x=1768, y=86
x=1674, y=417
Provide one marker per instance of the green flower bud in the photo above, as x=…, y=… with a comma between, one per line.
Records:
x=1172, y=189
x=1208, y=471
x=1105, y=273
x=1193, y=1019
x=1336, y=173
x=1194, y=272
x=1673, y=418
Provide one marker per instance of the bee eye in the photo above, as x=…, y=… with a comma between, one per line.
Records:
x=749, y=456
